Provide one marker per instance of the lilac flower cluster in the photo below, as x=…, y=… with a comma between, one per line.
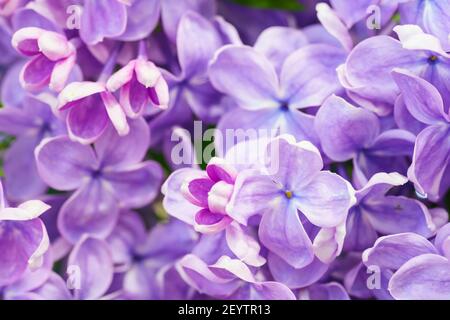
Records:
x=321, y=171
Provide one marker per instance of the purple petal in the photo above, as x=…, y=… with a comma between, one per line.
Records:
x=197, y=274
x=292, y=165
x=92, y=210
x=277, y=43
x=19, y=240
x=333, y=25
x=142, y=17
x=63, y=164
x=393, y=251
x=173, y=10
x=87, y=119
x=128, y=233
x=244, y=245
x=425, y=277
x=247, y=76
x=174, y=201
x=309, y=75
x=22, y=180
x=93, y=259
x=36, y=73
x=325, y=201
x=296, y=278
x=251, y=195
x=55, y=288
x=391, y=214
x=404, y=119
x=268, y=290
x=360, y=232
x=136, y=186
x=422, y=99
x=114, y=150
x=197, y=191
x=429, y=170
x=282, y=232
x=102, y=19
x=430, y=15
x=194, y=55
x=344, y=129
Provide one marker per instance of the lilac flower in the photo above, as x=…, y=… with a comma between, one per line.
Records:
x=350, y=133
x=141, y=84
x=303, y=210
x=269, y=94
x=30, y=121
x=201, y=199
x=411, y=266
x=377, y=213
x=229, y=278
x=367, y=72
x=53, y=58
x=430, y=167
x=104, y=179
x=23, y=238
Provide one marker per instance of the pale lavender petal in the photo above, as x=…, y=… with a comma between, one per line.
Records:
x=277, y=43
x=393, y=251
x=142, y=17
x=173, y=10
x=397, y=214
x=19, y=241
x=246, y=75
x=251, y=195
x=102, y=19
x=292, y=165
x=174, y=201
x=325, y=201
x=244, y=244
x=194, y=55
x=22, y=180
x=282, y=232
x=309, y=75
x=426, y=277
x=197, y=274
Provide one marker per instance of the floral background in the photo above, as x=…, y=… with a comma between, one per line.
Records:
x=224, y=149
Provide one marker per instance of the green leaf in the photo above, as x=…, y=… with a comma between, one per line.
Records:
x=290, y=5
